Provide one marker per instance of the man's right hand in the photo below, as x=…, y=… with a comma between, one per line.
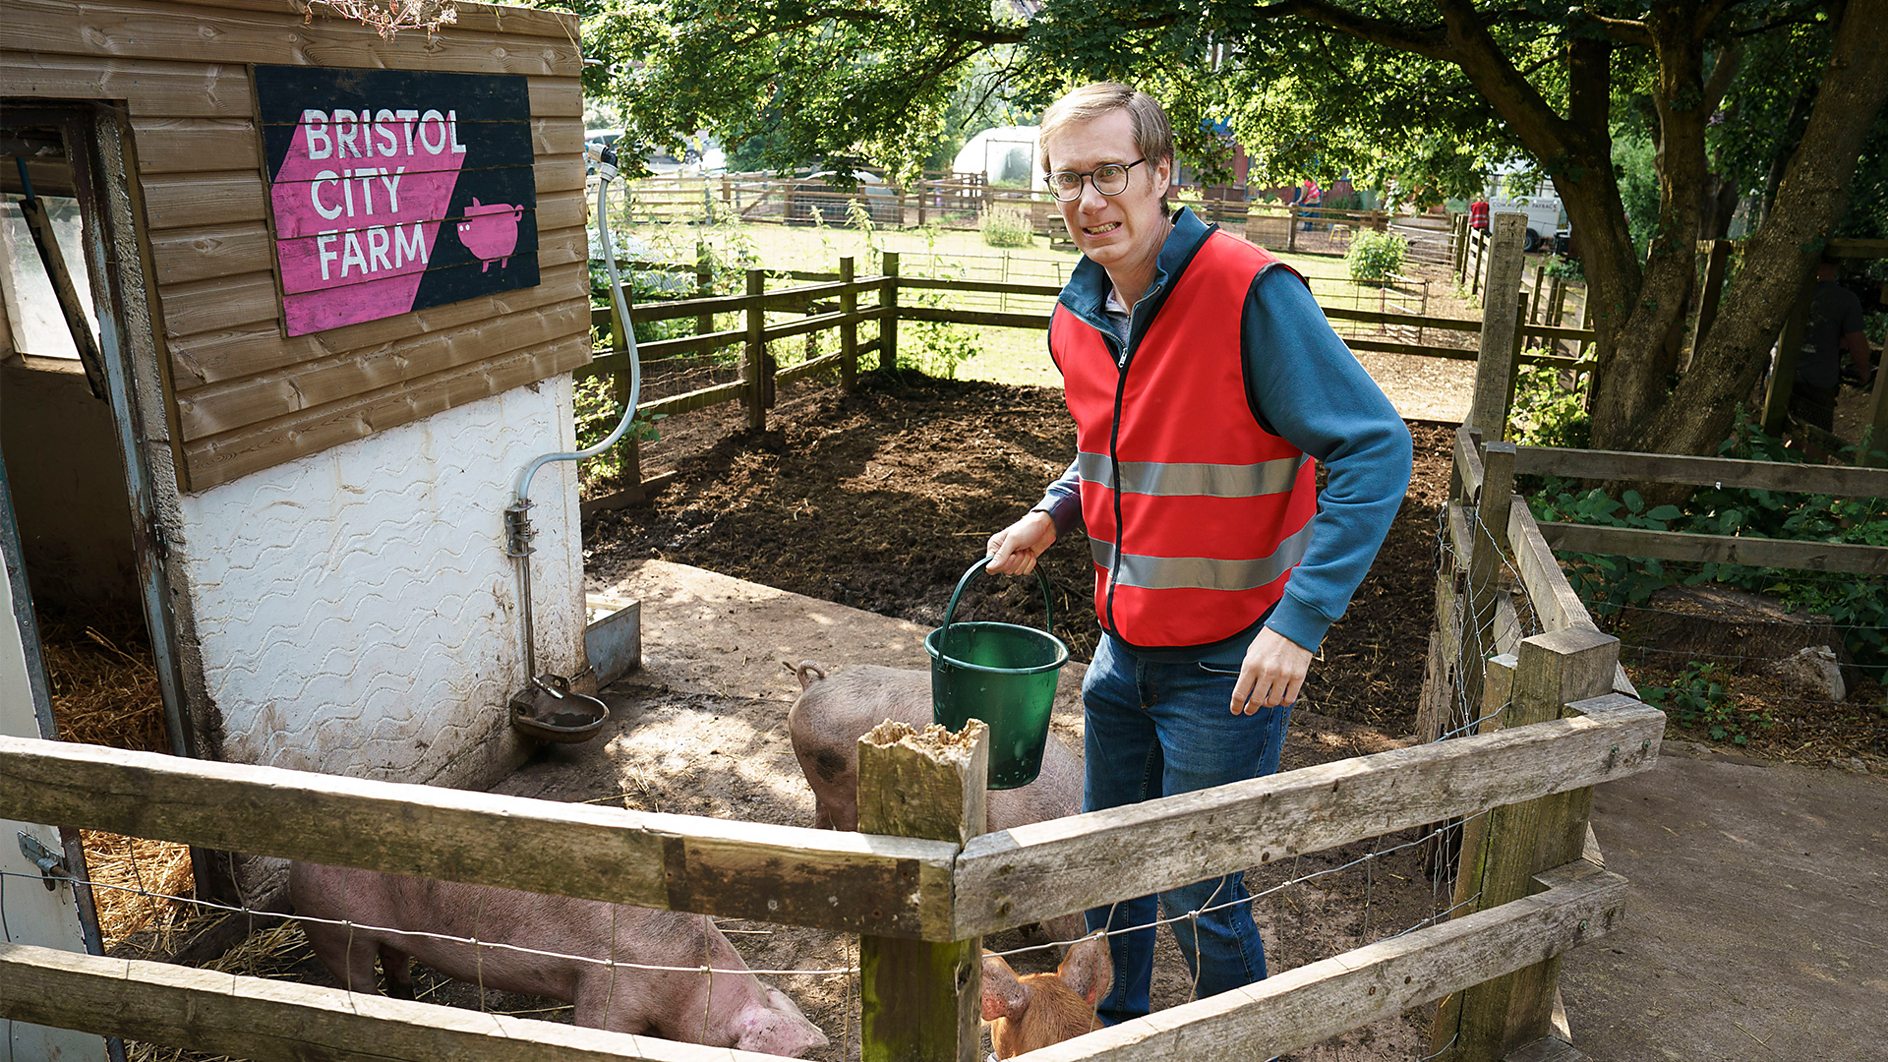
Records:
x=1013, y=550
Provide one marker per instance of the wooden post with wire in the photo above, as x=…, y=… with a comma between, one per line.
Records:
x=1522, y=840
x=921, y=1001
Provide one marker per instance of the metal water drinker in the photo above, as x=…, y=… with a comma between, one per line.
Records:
x=1003, y=674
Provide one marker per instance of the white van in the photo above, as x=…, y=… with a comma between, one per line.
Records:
x=1509, y=194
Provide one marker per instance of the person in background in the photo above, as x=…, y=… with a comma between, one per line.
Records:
x=1206, y=386
x=1834, y=327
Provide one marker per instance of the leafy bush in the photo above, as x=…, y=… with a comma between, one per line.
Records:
x=1565, y=268
x=1547, y=412
x=1697, y=699
x=1375, y=255
x=1858, y=607
x=1007, y=226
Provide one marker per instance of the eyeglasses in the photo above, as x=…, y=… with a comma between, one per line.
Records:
x=1110, y=179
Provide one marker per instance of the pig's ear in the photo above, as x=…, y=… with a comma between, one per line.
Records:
x=1003, y=995
x=1088, y=968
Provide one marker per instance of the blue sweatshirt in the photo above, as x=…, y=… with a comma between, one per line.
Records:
x=1304, y=385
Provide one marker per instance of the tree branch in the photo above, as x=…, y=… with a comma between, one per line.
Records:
x=1623, y=30
x=1722, y=72
x=1431, y=41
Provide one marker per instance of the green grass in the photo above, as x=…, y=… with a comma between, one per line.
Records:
x=1016, y=356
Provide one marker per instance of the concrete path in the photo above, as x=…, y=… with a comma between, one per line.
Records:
x=1757, y=922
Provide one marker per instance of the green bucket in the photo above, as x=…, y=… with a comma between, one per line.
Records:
x=1003, y=674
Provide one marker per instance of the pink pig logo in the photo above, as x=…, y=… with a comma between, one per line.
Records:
x=491, y=232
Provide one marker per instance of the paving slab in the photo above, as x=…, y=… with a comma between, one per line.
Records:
x=1756, y=927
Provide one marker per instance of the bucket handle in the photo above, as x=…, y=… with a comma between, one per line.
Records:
x=1048, y=607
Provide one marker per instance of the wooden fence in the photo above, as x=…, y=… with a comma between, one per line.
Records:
x=919, y=903
x=958, y=201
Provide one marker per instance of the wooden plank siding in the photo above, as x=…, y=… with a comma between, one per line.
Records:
x=246, y=396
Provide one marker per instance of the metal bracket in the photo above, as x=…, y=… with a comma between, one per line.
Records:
x=52, y=865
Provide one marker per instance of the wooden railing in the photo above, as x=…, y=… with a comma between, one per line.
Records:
x=886, y=888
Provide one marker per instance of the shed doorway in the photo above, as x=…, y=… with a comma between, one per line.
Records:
x=81, y=491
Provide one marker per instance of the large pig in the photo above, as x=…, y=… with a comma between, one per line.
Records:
x=730, y=1009
x=831, y=714
x=1036, y=1010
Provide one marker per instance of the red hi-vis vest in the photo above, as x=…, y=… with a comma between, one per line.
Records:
x=1196, y=514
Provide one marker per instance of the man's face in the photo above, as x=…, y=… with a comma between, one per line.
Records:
x=1118, y=231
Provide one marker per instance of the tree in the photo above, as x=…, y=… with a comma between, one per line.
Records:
x=1779, y=98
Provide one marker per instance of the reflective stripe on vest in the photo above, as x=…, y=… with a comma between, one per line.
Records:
x=1196, y=513
x=1201, y=573
x=1192, y=478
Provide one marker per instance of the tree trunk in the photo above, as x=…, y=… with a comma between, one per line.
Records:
x=1810, y=199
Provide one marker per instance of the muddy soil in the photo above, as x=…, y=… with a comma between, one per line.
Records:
x=882, y=498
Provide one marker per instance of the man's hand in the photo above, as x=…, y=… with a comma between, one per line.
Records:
x=1273, y=671
x=1013, y=550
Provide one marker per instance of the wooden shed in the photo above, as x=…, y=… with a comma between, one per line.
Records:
x=336, y=285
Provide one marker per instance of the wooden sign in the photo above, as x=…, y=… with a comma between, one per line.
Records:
x=393, y=190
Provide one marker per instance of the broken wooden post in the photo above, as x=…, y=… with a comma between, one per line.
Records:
x=1522, y=840
x=920, y=1001
x=848, y=327
x=1501, y=329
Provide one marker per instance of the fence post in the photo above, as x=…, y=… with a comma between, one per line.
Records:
x=1470, y=835
x=1291, y=228
x=924, y=198
x=1489, y=536
x=920, y=1001
x=756, y=351
x=1875, y=438
x=1776, y=397
x=1501, y=329
x=1522, y=840
x=630, y=448
x=888, y=323
x=1458, y=246
x=704, y=285
x=848, y=328
x=1534, y=293
x=1716, y=264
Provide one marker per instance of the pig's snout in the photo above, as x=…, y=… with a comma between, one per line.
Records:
x=777, y=1027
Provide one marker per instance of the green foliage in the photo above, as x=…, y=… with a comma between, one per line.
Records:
x=1566, y=268
x=1858, y=607
x=1698, y=700
x=1635, y=167
x=1375, y=255
x=1006, y=226
x=1546, y=411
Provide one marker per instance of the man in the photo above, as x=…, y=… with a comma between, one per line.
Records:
x=1835, y=325
x=1205, y=385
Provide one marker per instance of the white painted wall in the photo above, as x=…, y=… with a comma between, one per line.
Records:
x=355, y=610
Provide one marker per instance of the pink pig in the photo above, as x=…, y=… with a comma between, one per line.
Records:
x=731, y=1008
x=491, y=232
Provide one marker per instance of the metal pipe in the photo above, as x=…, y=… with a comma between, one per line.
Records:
x=518, y=530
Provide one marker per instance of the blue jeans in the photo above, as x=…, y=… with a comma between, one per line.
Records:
x=1156, y=729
